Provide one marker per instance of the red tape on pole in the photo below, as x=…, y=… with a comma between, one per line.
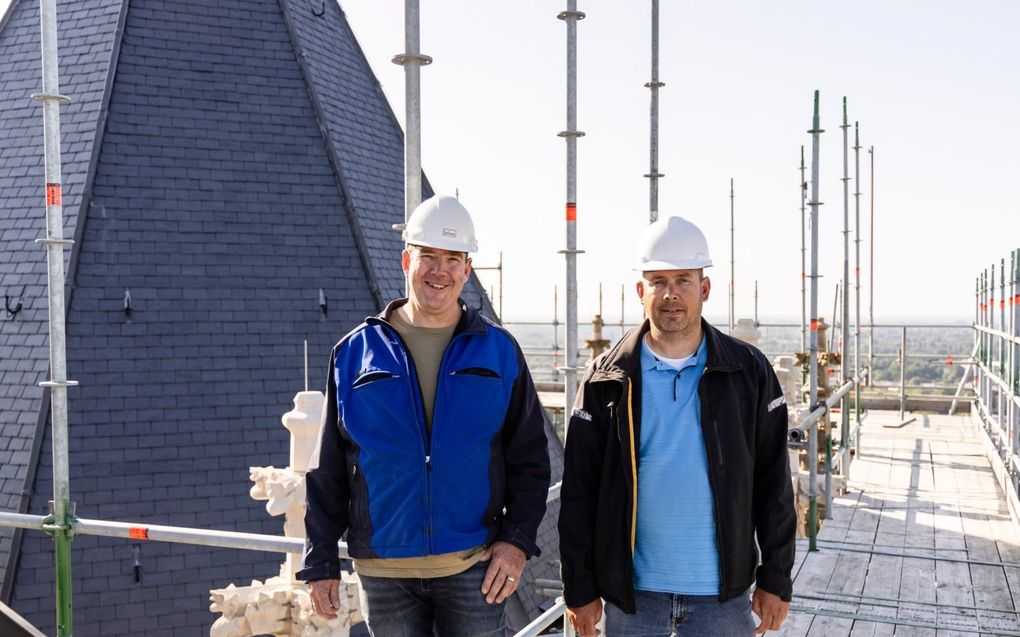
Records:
x=571, y=212
x=139, y=532
x=53, y=195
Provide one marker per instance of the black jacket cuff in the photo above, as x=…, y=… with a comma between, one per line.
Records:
x=775, y=584
x=316, y=572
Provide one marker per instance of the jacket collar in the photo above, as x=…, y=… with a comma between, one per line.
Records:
x=470, y=320
x=624, y=360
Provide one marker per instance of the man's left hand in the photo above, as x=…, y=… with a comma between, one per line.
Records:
x=504, y=574
x=770, y=609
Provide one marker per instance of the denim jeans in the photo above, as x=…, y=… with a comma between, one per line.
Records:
x=441, y=606
x=673, y=615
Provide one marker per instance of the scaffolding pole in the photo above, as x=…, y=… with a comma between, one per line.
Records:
x=803, y=252
x=653, y=145
x=733, y=279
x=412, y=60
x=570, y=369
x=812, y=455
x=857, y=279
x=844, y=333
x=59, y=522
x=871, y=265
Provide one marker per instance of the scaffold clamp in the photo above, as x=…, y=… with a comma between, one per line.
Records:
x=411, y=58
x=56, y=383
x=50, y=526
x=571, y=15
x=44, y=97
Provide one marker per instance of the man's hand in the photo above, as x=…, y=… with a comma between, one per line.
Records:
x=770, y=609
x=504, y=574
x=325, y=596
x=585, y=618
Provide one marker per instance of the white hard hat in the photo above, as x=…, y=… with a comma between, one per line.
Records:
x=441, y=222
x=672, y=243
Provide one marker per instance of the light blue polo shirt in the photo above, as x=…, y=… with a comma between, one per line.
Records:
x=675, y=549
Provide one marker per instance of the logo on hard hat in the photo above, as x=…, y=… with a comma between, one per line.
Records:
x=450, y=232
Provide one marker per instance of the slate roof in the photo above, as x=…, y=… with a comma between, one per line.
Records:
x=223, y=161
x=86, y=45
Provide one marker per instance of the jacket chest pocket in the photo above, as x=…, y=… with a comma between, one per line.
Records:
x=369, y=377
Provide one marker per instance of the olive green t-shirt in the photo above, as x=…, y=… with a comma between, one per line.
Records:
x=427, y=345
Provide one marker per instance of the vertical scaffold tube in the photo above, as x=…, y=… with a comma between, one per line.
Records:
x=733, y=276
x=871, y=266
x=1014, y=351
x=412, y=60
x=844, y=320
x=857, y=284
x=903, y=373
x=61, y=508
x=653, y=145
x=990, y=311
x=1002, y=322
x=570, y=369
x=812, y=450
x=803, y=257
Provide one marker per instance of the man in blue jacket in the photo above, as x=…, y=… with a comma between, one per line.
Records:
x=432, y=455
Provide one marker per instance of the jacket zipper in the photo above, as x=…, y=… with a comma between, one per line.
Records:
x=412, y=373
x=426, y=434
x=429, y=531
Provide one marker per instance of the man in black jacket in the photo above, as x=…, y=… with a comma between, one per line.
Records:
x=676, y=470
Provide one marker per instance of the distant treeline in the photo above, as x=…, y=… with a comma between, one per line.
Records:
x=928, y=349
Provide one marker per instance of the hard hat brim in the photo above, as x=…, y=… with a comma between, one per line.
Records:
x=654, y=266
x=452, y=246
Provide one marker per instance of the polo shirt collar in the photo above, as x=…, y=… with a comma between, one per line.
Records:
x=650, y=362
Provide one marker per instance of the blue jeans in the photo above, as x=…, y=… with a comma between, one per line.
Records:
x=441, y=606
x=673, y=615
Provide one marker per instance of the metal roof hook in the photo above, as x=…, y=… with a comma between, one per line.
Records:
x=127, y=303
x=322, y=9
x=323, y=305
x=11, y=311
x=136, y=553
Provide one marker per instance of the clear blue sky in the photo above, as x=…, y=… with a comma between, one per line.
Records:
x=934, y=85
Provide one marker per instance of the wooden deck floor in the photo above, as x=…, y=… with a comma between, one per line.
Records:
x=923, y=490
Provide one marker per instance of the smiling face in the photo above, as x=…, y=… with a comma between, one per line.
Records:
x=435, y=279
x=672, y=300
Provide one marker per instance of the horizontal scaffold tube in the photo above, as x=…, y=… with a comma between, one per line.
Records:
x=544, y=620
x=21, y=520
x=182, y=535
x=202, y=537
x=812, y=418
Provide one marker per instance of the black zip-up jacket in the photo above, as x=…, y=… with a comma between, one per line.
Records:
x=744, y=424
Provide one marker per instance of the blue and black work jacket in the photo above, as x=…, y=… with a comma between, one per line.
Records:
x=401, y=489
